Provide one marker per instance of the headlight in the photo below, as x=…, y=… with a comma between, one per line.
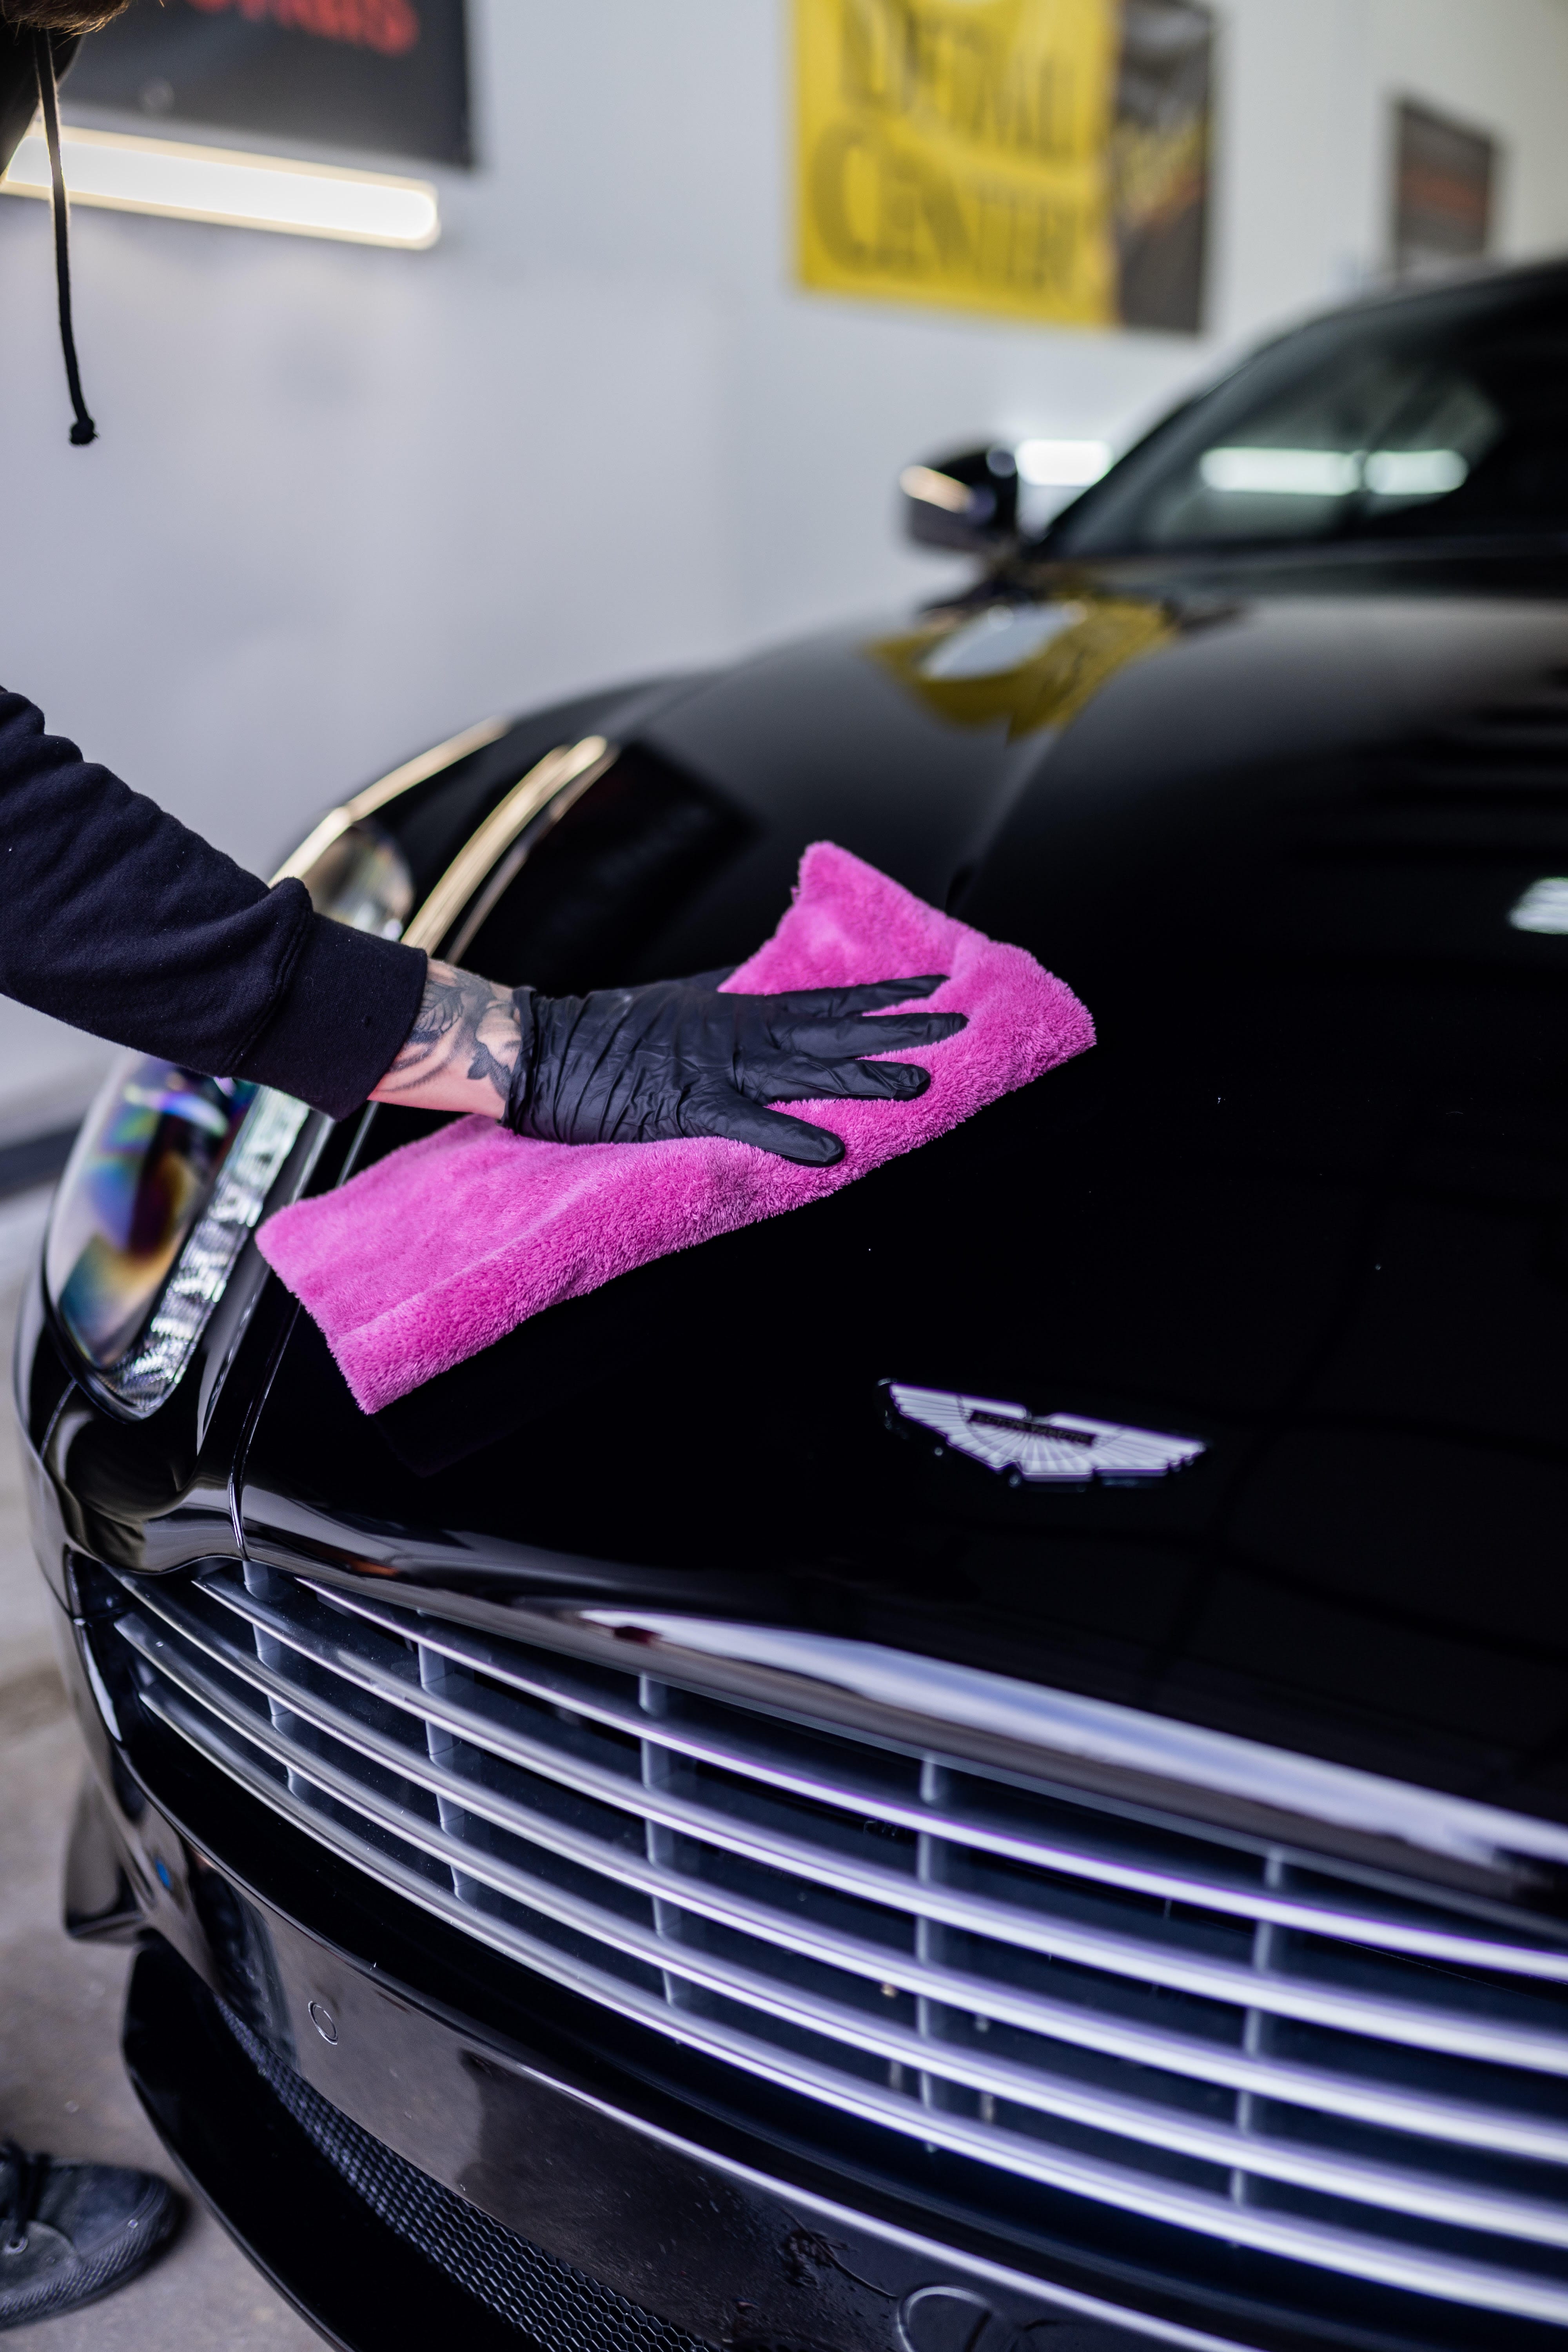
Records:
x=168, y=1177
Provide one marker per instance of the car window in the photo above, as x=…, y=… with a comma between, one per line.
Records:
x=1380, y=436
x=1442, y=423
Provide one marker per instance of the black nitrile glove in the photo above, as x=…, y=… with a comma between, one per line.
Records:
x=677, y=1057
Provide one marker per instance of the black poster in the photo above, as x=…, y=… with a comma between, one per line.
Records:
x=1442, y=193
x=388, y=77
x=1159, y=162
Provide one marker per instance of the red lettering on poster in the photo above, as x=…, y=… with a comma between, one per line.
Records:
x=392, y=26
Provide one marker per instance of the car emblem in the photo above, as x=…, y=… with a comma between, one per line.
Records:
x=1030, y=1449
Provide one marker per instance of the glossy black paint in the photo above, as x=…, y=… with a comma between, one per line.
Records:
x=1303, y=1201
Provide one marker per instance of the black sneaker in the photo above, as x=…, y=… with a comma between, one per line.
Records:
x=71, y=2233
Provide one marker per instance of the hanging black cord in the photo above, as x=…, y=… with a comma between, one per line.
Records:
x=84, y=430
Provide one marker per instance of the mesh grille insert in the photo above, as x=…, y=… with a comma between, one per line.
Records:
x=548, y=2299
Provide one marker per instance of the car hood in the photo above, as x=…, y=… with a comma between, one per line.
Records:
x=1301, y=1207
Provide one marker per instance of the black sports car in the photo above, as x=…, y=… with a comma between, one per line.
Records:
x=986, y=1764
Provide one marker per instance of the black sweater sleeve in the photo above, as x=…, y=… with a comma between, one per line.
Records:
x=114, y=917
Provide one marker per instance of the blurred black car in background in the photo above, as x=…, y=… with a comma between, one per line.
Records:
x=988, y=1764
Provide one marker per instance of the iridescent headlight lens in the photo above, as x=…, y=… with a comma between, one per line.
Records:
x=169, y=1176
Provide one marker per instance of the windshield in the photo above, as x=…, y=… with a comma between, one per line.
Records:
x=1444, y=417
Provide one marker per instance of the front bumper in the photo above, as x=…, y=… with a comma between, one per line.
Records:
x=395, y=2167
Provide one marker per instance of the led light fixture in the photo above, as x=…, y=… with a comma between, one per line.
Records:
x=1333, y=473
x=1281, y=473
x=237, y=190
x=1544, y=907
x=1413, y=473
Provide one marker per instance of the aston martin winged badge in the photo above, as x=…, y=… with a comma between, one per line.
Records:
x=1061, y=1448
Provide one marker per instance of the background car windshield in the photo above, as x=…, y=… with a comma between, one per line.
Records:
x=1446, y=418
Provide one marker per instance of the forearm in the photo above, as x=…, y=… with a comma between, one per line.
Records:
x=116, y=918
x=462, y=1049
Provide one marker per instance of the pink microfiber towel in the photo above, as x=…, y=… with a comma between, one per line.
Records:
x=445, y=1246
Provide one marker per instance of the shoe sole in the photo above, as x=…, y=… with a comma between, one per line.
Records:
x=147, y=2234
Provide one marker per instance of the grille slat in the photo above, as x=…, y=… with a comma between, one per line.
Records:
x=596, y=1827
x=1101, y=1867
x=657, y=1837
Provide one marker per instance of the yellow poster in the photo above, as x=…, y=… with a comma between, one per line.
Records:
x=955, y=153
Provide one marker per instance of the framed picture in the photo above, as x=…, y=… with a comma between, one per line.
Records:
x=384, y=77
x=1040, y=160
x=1445, y=179
x=1159, y=163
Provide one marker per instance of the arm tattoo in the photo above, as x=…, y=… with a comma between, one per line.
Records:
x=460, y=1053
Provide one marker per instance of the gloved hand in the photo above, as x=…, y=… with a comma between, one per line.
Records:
x=677, y=1057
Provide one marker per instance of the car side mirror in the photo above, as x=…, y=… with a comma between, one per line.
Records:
x=968, y=502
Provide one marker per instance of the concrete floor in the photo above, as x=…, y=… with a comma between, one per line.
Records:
x=61, y=2083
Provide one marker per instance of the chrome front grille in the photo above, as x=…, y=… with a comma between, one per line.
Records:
x=1227, y=2037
